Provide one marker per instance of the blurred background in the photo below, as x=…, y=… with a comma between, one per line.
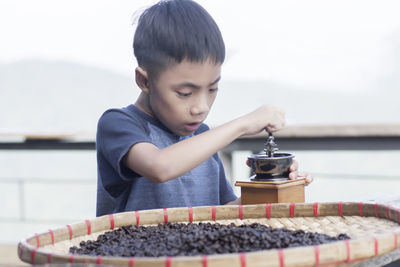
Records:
x=331, y=65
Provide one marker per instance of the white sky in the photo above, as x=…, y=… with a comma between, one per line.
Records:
x=339, y=44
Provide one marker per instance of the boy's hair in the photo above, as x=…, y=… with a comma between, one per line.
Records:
x=173, y=30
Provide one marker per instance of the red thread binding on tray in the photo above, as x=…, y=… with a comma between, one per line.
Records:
x=281, y=258
x=376, y=248
x=340, y=208
x=132, y=262
x=241, y=212
x=49, y=258
x=376, y=210
x=98, y=260
x=395, y=240
x=168, y=261
x=242, y=259
x=316, y=209
x=292, y=205
x=387, y=212
x=204, y=260
x=111, y=217
x=51, y=236
x=89, y=227
x=213, y=213
x=165, y=215
x=137, y=217
x=360, y=205
x=268, y=210
x=347, y=250
x=70, y=231
x=190, y=210
x=71, y=259
x=37, y=240
x=316, y=250
x=33, y=252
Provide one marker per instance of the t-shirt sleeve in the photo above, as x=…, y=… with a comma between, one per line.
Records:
x=117, y=132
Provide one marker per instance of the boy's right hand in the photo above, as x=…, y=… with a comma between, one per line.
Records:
x=264, y=118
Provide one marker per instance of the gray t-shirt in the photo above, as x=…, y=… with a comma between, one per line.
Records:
x=120, y=189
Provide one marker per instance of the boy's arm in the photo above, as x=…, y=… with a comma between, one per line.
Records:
x=161, y=165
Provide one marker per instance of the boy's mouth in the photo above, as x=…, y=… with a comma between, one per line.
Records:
x=191, y=127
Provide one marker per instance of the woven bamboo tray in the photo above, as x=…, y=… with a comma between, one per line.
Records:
x=374, y=229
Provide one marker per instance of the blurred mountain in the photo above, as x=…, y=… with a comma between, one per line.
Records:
x=64, y=97
x=57, y=96
x=312, y=105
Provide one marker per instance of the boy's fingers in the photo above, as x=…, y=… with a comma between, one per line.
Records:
x=293, y=175
x=309, y=179
x=248, y=163
x=270, y=128
x=295, y=166
x=274, y=127
x=301, y=175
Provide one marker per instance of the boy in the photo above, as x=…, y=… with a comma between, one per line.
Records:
x=158, y=153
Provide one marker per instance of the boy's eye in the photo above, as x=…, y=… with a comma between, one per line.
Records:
x=213, y=90
x=181, y=94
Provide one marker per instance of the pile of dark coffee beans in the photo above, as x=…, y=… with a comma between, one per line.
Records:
x=178, y=239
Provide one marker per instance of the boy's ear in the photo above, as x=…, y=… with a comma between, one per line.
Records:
x=142, y=80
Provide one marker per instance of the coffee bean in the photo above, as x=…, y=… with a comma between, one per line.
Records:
x=178, y=239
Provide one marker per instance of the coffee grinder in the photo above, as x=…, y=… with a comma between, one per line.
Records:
x=270, y=181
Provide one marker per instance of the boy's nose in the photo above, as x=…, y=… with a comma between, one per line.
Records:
x=200, y=106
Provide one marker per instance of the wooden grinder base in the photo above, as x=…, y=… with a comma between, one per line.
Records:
x=258, y=192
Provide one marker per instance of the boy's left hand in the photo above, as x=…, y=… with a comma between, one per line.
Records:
x=295, y=174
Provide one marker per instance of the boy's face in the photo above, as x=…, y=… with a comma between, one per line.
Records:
x=183, y=95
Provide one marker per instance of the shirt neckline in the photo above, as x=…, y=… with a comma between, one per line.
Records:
x=151, y=119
